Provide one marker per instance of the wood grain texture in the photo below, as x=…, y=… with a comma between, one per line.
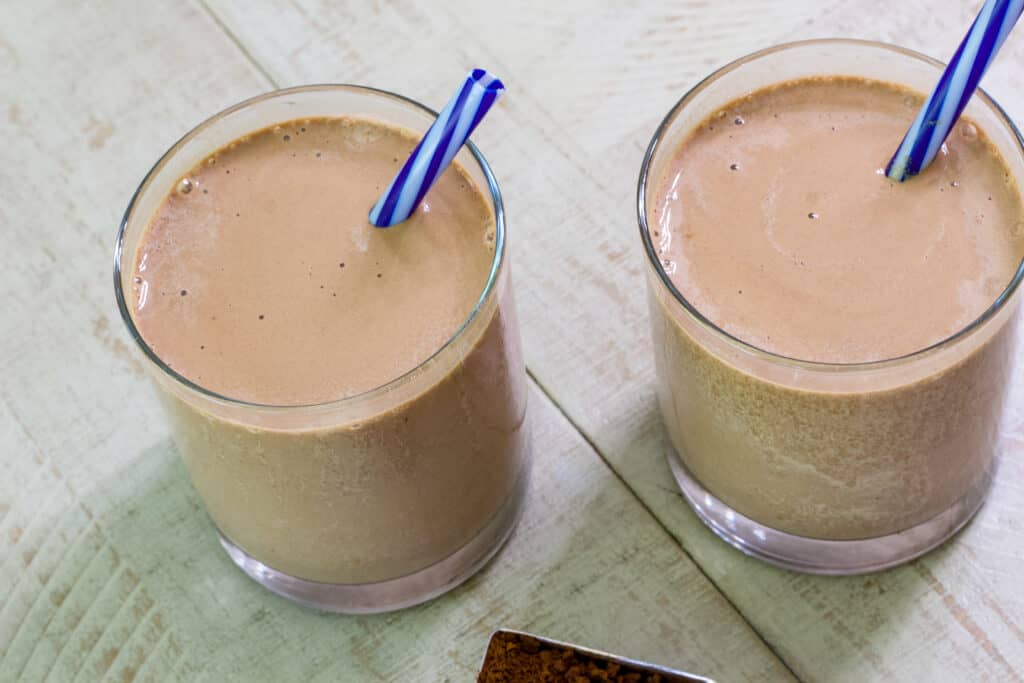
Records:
x=109, y=569
x=587, y=89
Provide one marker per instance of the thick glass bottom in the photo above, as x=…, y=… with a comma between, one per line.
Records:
x=820, y=556
x=394, y=594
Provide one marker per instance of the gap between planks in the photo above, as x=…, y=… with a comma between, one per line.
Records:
x=657, y=520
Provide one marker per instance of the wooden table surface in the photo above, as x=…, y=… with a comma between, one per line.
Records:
x=109, y=568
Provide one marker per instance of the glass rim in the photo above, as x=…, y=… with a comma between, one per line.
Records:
x=781, y=359
x=492, y=278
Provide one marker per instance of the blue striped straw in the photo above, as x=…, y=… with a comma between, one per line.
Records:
x=437, y=148
x=959, y=81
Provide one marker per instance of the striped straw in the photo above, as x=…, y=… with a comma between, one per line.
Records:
x=959, y=81
x=437, y=148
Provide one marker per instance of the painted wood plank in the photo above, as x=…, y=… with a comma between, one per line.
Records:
x=109, y=569
x=588, y=84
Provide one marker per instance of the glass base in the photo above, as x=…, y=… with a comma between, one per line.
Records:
x=820, y=556
x=394, y=594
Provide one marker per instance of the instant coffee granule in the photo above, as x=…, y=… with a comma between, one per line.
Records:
x=515, y=658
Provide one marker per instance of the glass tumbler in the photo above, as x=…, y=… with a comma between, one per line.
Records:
x=373, y=502
x=825, y=468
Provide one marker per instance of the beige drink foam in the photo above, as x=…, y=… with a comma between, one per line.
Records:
x=817, y=255
x=261, y=279
x=774, y=222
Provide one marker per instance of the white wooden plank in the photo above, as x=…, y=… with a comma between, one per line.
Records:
x=109, y=568
x=566, y=143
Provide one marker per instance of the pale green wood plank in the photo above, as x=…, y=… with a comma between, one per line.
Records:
x=109, y=569
x=588, y=84
x=587, y=563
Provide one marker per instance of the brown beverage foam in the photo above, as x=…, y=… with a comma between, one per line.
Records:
x=817, y=255
x=261, y=278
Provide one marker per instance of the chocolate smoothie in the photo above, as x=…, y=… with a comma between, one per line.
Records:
x=389, y=429
x=774, y=220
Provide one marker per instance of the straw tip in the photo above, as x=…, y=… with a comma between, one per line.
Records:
x=375, y=217
x=486, y=80
x=897, y=170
